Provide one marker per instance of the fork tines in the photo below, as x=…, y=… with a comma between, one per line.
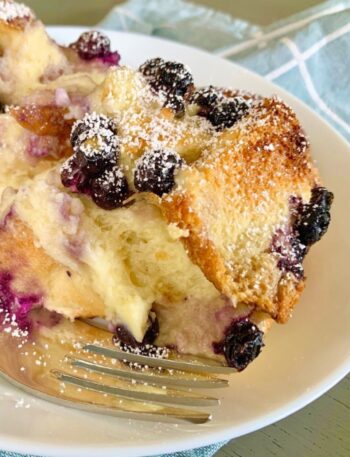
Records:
x=152, y=377
x=197, y=366
x=150, y=381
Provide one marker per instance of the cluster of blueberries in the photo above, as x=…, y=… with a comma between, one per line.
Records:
x=93, y=168
x=175, y=83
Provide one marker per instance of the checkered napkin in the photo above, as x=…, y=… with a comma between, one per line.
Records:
x=307, y=54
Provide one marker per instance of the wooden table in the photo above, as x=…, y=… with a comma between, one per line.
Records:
x=322, y=429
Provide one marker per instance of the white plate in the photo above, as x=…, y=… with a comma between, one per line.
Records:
x=301, y=360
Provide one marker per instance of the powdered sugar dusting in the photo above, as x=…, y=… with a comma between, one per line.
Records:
x=172, y=81
x=10, y=11
x=95, y=134
x=113, y=176
x=155, y=170
x=92, y=42
x=148, y=350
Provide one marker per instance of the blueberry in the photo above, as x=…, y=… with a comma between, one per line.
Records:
x=206, y=98
x=73, y=177
x=226, y=114
x=123, y=334
x=175, y=103
x=91, y=126
x=173, y=78
x=94, y=164
x=109, y=189
x=170, y=79
x=309, y=223
x=222, y=108
x=242, y=344
x=92, y=44
x=94, y=140
x=314, y=217
x=301, y=141
x=79, y=133
x=150, y=68
x=155, y=171
x=93, y=168
x=152, y=331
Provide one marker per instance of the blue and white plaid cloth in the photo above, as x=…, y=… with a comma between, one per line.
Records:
x=308, y=54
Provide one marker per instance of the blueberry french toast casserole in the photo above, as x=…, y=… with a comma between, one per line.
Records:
x=178, y=214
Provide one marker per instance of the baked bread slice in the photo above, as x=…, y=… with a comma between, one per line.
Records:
x=238, y=198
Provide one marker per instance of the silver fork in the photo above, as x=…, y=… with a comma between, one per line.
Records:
x=78, y=365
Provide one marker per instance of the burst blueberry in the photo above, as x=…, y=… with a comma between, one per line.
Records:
x=123, y=335
x=73, y=177
x=242, y=344
x=289, y=251
x=152, y=331
x=155, y=171
x=314, y=217
x=91, y=45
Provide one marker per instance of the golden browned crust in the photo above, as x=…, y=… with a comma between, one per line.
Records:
x=232, y=201
x=34, y=272
x=288, y=294
x=178, y=210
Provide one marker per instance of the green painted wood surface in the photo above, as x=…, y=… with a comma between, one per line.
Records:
x=91, y=11
x=322, y=429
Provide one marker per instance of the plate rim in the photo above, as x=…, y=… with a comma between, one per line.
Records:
x=210, y=436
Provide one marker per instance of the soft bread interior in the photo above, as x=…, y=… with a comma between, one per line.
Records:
x=131, y=258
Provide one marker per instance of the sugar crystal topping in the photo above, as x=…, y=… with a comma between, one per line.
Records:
x=10, y=11
x=95, y=45
x=113, y=176
x=155, y=171
x=94, y=134
x=93, y=41
x=148, y=350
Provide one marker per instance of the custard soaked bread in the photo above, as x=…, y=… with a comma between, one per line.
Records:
x=30, y=61
x=181, y=215
x=44, y=88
